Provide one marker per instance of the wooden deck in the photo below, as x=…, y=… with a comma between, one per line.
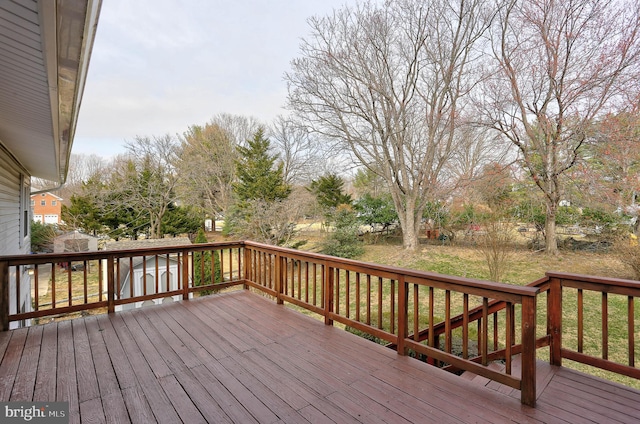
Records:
x=241, y=358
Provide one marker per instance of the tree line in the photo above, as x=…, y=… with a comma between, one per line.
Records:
x=519, y=105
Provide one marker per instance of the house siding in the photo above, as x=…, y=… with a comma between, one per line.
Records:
x=14, y=200
x=10, y=200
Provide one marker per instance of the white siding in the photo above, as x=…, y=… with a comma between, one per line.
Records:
x=10, y=187
x=14, y=200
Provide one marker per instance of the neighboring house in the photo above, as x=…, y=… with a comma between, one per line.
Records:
x=142, y=276
x=44, y=56
x=75, y=241
x=46, y=208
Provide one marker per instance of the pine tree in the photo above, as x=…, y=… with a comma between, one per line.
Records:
x=262, y=195
x=258, y=176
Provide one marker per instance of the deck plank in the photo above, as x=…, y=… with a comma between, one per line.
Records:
x=149, y=384
x=181, y=401
x=208, y=399
x=125, y=376
x=45, y=388
x=11, y=362
x=24, y=386
x=86, y=372
x=67, y=381
x=240, y=358
x=137, y=406
x=91, y=411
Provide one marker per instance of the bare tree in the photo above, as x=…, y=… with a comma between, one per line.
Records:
x=81, y=168
x=385, y=83
x=239, y=128
x=206, y=167
x=146, y=181
x=298, y=149
x=558, y=65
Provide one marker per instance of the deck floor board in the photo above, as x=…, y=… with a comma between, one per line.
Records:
x=241, y=358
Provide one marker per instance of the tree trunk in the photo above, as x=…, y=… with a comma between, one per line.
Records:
x=550, y=229
x=410, y=232
x=408, y=223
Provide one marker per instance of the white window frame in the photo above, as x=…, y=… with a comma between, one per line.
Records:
x=25, y=210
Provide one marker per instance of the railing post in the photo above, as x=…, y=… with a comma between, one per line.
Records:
x=403, y=300
x=554, y=320
x=528, y=382
x=329, y=274
x=4, y=295
x=185, y=275
x=111, y=286
x=279, y=282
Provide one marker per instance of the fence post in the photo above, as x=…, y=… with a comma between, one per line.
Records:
x=111, y=289
x=329, y=275
x=403, y=300
x=4, y=295
x=528, y=382
x=185, y=275
x=554, y=320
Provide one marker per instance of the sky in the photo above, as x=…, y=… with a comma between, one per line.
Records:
x=160, y=66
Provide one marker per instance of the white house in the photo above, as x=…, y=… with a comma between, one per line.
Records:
x=44, y=57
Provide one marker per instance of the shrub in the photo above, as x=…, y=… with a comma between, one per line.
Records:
x=202, y=265
x=628, y=252
x=343, y=241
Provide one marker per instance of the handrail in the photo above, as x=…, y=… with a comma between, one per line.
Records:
x=69, y=293
x=563, y=285
x=376, y=299
x=391, y=303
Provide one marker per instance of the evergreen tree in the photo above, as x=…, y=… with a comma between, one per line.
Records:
x=376, y=211
x=261, y=210
x=202, y=265
x=181, y=220
x=258, y=176
x=42, y=236
x=328, y=190
x=344, y=241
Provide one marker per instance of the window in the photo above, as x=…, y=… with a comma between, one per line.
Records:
x=25, y=197
x=33, y=202
x=43, y=203
x=53, y=203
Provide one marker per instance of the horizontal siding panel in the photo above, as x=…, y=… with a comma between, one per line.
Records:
x=10, y=206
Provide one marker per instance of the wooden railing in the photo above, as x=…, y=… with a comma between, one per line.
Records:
x=400, y=306
x=567, y=296
x=76, y=282
x=457, y=323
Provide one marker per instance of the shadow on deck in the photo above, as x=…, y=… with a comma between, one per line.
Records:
x=240, y=358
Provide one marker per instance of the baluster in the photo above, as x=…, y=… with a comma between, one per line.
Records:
x=465, y=326
x=368, y=299
x=631, y=330
x=358, y=296
x=580, y=321
x=416, y=313
x=605, y=327
x=347, y=291
x=380, y=302
x=485, y=330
